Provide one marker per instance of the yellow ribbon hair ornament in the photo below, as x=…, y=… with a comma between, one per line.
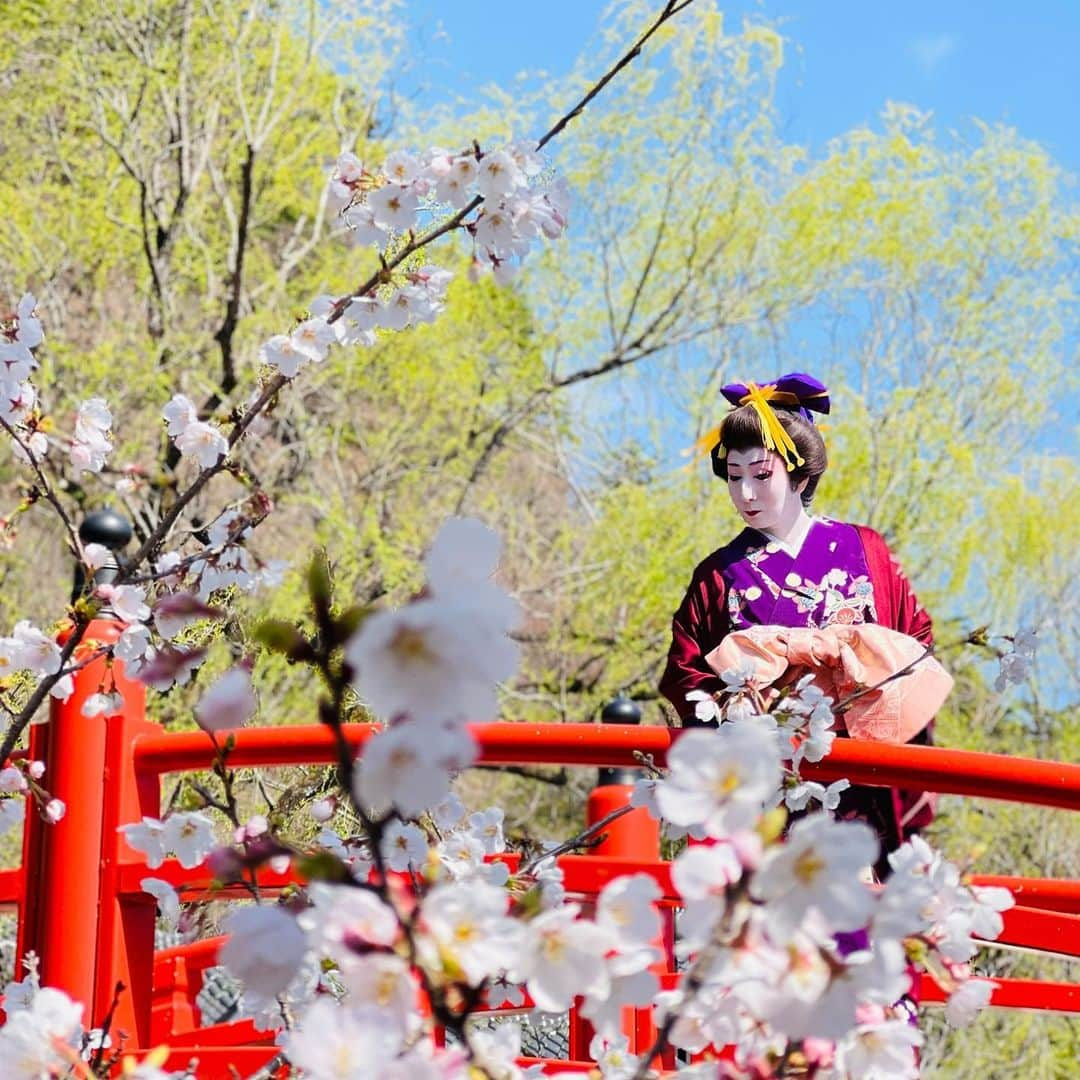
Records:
x=776, y=438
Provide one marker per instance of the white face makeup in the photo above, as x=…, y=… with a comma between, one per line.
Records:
x=760, y=487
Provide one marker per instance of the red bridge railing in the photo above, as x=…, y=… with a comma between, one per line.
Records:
x=82, y=910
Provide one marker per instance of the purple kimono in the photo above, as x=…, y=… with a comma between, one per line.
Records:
x=842, y=573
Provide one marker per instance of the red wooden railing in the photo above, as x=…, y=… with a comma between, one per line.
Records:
x=82, y=910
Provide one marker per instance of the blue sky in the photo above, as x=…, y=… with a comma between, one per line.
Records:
x=999, y=61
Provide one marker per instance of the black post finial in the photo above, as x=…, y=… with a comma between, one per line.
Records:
x=111, y=530
x=620, y=710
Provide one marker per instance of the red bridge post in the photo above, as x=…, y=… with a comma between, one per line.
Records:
x=73, y=917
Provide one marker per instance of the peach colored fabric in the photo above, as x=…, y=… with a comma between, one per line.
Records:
x=845, y=659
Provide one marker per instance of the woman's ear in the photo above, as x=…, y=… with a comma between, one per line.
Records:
x=800, y=487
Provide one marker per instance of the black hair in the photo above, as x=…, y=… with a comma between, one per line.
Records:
x=741, y=430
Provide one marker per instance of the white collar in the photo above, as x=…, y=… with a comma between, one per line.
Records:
x=794, y=543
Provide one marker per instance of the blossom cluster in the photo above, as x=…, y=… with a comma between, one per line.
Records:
x=194, y=438
x=188, y=836
x=430, y=666
x=20, y=334
x=1015, y=664
x=789, y=943
x=90, y=444
x=20, y=782
x=513, y=208
x=155, y=617
x=793, y=942
x=801, y=722
x=506, y=184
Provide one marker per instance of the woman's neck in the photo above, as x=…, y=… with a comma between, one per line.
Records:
x=792, y=534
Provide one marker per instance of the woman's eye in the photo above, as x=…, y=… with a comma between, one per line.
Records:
x=763, y=476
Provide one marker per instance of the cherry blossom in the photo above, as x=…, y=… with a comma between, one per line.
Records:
x=402, y=767
x=168, y=901
x=332, y=1042
x=797, y=797
x=401, y=168
x=498, y=175
x=461, y=854
x=349, y=174
x=822, y=865
x=312, y=339
x=626, y=908
x=404, y=846
x=487, y=827
x=720, y=779
x=229, y=703
x=147, y=837
x=31, y=1039
x=33, y=650
x=466, y=926
x=446, y=656
x=63, y=688
x=91, y=445
x=281, y=352
x=360, y=219
x=886, y=1049
x=613, y=1057
x=33, y=447
x=706, y=707
x=103, y=705
x=967, y=1001
x=1015, y=665
x=342, y=920
x=454, y=185
x=28, y=331
x=128, y=602
x=393, y=207
x=203, y=442
x=265, y=949
x=180, y=413
x=190, y=837
x=561, y=958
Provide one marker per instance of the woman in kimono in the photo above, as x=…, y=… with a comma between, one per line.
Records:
x=789, y=568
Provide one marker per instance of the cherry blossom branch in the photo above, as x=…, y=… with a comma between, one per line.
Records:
x=694, y=980
x=47, y=491
x=382, y=275
x=41, y=691
x=157, y=537
x=209, y=552
x=669, y=11
x=584, y=839
x=86, y=661
x=976, y=637
x=845, y=704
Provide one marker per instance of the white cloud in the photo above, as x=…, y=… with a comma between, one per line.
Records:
x=930, y=51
